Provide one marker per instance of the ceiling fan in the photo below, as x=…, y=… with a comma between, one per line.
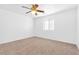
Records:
x=34, y=9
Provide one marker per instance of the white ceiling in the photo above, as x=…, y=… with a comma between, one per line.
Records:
x=48, y=8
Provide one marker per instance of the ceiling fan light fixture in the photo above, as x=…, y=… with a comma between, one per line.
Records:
x=34, y=11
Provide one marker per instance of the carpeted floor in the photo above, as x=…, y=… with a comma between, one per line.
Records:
x=38, y=46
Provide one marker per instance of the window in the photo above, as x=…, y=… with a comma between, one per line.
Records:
x=48, y=25
x=51, y=25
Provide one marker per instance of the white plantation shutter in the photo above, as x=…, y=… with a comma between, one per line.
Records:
x=51, y=24
x=48, y=25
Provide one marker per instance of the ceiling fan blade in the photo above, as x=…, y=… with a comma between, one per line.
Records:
x=26, y=7
x=34, y=6
x=28, y=12
x=40, y=11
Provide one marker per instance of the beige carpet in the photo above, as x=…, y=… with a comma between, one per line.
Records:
x=38, y=46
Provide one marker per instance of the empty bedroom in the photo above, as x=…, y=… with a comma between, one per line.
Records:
x=39, y=29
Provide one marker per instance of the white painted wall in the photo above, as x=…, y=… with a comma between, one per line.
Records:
x=14, y=26
x=65, y=26
x=78, y=26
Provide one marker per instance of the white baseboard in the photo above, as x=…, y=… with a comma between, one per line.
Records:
x=20, y=38
x=77, y=44
x=55, y=39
